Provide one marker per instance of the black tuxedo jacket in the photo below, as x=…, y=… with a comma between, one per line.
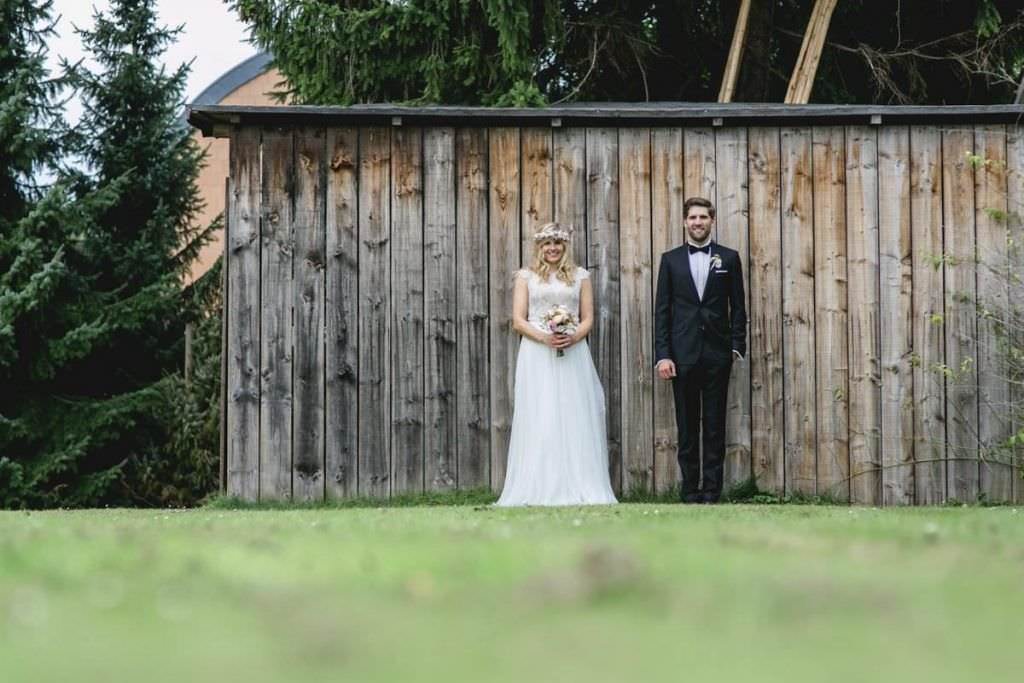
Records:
x=684, y=324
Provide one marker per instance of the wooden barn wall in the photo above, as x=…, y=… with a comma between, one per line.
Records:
x=369, y=349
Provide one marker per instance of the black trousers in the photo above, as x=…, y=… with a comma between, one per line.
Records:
x=702, y=391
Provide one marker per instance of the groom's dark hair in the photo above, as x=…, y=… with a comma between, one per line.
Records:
x=698, y=201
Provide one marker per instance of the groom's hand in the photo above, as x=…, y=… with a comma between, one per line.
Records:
x=666, y=369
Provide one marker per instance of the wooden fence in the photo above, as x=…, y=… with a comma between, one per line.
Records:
x=370, y=258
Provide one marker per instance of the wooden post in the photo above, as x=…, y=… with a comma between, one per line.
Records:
x=224, y=302
x=189, y=333
x=732, y=64
x=243, y=311
x=802, y=80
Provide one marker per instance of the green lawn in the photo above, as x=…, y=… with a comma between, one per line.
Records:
x=627, y=593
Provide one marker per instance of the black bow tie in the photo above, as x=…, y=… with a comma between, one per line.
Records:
x=694, y=249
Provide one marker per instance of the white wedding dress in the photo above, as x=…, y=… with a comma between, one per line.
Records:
x=558, y=451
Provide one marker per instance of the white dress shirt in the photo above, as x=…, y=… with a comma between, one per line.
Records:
x=700, y=264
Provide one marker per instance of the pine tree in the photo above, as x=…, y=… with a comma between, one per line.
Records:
x=94, y=352
x=32, y=267
x=27, y=105
x=530, y=52
x=424, y=50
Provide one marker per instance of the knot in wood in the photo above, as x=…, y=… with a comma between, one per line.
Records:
x=341, y=160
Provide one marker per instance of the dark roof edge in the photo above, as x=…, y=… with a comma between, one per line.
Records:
x=234, y=78
x=223, y=117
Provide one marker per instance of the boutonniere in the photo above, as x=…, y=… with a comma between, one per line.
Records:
x=716, y=261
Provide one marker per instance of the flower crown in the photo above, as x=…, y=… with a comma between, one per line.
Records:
x=552, y=231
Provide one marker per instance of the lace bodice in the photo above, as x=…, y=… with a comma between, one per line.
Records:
x=545, y=295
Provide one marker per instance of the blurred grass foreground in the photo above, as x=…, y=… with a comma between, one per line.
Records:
x=456, y=593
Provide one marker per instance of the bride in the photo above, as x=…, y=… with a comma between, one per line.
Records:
x=558, y=453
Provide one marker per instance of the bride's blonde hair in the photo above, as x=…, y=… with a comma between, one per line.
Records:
x=565, y=269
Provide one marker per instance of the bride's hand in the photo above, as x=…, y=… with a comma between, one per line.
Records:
x=559, y=341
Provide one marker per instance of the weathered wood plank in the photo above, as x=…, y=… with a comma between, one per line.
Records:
x=504, y=222
x=801, y=83
x=276, y=331
x=472, y=434
x=994, y=405
x=733, y=231
x=407, y=310
x=896, y=315
x=767, y=402
x=242, y=311
x=736, y=48
x=864, y=331
x=699, y=163
x=342, y=296
x=831, y=316
x=798, y=313
x=309, y=306
x=538, y=186
x=603, y=261
x=668, y=230
x=962, y=470
x=222, y=395
x=1015, y=284
x=929, y=392
x=635, y=295
x=374, y=347
x=699, y=174
x=570, y=169
x=440, y=465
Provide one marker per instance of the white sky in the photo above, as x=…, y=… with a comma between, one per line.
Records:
x=212, y=36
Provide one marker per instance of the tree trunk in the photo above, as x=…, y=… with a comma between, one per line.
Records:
x=755, y=75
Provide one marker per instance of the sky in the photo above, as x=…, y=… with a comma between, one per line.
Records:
x=213, y=36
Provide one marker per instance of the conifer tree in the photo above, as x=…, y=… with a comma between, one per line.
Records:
x=529, y=52
x=91, y=359
x=32, y=223
x=27, y=105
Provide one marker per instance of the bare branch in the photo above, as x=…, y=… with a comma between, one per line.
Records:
x=969, y=56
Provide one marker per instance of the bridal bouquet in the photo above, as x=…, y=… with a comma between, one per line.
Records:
x=560, y=321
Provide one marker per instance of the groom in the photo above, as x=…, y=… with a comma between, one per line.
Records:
x=700, y=326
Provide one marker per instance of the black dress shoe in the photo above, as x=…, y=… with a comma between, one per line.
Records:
x=690, y=498
x=710, y=498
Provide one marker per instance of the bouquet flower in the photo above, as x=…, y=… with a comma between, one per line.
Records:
x=560, y=321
